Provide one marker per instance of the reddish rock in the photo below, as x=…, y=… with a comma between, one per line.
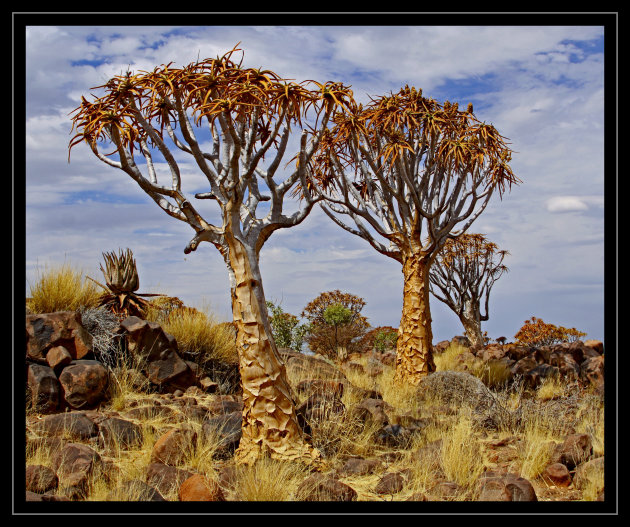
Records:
x=40, y=478
x=62, y=328
x=58, y=357
x=524, y=365
x=575, y=449
x=596, y=345
x=390, y=483
x=558, y=474
x=200, y=488
x=356, y=466
x=73, y=458
x=173, y=447
x=83, y=383
x=585, y=471
x=166, y=478
x=44, y=388
x=492, y=352
x=566, y=365
x=165, y=367
x=120, y=433
x=135, y=490
x=505, y=487
x=69, y=424
x=321, y=487
x=592, y=371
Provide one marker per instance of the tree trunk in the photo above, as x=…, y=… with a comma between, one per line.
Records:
x=471, y=321
x=270, y=426
x=414, y=358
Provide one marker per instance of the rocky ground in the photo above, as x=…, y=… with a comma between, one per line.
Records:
x=167, y=431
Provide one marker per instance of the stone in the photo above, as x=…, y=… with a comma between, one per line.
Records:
x=165, y=478
x=44, y=388
x=207, y=385
x=394, y=436
x=147, y=340
x=75, y=457
x=321, y=406
x=224, y=431
x=74, y=425
x=62, y=328
x=356, y=466
x=174, y=446
x=135, y=490
x=596, y=345
x=58, y=357
x=592, y=371
x=535, y=376
x=40, y=478
x=492, y=352
x=84, y=383
x=456, y=387
x=505, y=487
x=200, y=488
x=120, y=433
x=575, y=449
x=558, y=474
x=321, y=487
x=566, y=364
x=390, y=483
x=375, y=410
x=585, y=471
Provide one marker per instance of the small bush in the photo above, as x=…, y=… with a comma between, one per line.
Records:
x=286, y=328
x=61, y=288
x=535, y=332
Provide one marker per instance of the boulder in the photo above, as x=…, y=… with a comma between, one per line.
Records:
x=44, y=388
x=58, y=357
x=200, y=488
x=135, y=490
x=83, y=383
x=321, y=386
x=322, y=487
x=596, y=345
x=321, y=406
x=75, y=458
x=535, y=376
x=575, y=449
x=390, y=483
x=174, y=446
x=118, y=433
x=224, y=431
x=147, y=340
x=558, y=474
x=592, y=371
x=375, y=410
x=74, y=425
x=166, y=478
x=62, y=328
x=566, y=364
x=357, y=466
x=586, y=471
x=505, y=487
x=40, y=478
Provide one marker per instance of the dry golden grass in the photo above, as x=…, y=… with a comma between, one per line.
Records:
x=551, y=387
x=461, y=455
x=61, y=288
x=536, y=448
x=200, y=333
x=449, y=358
x=269, y=480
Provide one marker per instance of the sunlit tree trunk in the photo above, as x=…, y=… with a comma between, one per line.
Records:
x=270, y=426
x=414, y=359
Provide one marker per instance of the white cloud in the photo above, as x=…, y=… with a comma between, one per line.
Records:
x=566, y=204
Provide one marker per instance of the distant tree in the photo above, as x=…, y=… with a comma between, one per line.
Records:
x=335, y=323
x=463, y=275
x=535, y=332
x=410, y=173
x=286, y=328
x=244, y=115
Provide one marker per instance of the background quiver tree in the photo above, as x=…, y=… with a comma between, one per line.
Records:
x=335, y=321
x=121, y=284
x=408, y=173
x=246, y=116
x=535, y=332
x=463, y=275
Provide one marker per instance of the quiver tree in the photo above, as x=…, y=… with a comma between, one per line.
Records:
x=462, y=276
x=246, y=116
x=335, y=323
x=409, y=173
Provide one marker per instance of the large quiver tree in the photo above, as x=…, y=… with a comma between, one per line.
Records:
x=244, y=115
x=410, y=172
x=463, y=275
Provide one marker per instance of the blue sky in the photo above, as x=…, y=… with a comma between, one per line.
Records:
x=541, y=86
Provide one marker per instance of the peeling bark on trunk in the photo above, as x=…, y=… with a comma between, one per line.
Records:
x=471, y=320
x=270, y=426
x=414, y=358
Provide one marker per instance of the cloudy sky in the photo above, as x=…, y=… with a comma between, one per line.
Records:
x=542, y=86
